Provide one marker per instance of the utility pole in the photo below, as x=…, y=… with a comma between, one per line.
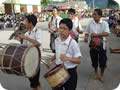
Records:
x=13, y=12
x=93, y=4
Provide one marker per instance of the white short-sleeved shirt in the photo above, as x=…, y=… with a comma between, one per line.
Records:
x=73, y=51
x=76, y=23
x=54, y=22
x=97, y=28
x=36, y=34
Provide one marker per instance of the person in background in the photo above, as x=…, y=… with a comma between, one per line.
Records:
x=53, y=25
x=77, y=28
x=98, y=28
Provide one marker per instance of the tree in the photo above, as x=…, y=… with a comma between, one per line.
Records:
x=112, y=4
x=45, y=2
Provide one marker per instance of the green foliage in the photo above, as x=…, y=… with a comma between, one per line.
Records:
x=112, y=4
x=46, y=2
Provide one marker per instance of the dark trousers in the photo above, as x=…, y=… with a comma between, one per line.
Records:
x=71, y=84
x=34, y=81
x=52, y=41
x=76, y=38
x=98, y=58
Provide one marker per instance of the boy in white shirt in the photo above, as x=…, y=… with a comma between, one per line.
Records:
x=53, y=25
x=72, y=58
x=77, y=28
x=97, y=28
x=32, y=37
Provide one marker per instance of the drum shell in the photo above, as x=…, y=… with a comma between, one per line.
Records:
x=57, y=76
x=13, y=60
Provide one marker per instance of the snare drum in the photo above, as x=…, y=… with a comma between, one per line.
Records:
x=57, y=76
x=96, y=43
x=20, y=60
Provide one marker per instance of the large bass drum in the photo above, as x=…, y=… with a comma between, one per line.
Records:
x=20, y=60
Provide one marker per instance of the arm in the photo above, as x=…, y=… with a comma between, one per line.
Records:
x=51, y=61
x=29, y=39
x=79, y=29
x=105, y=32
x=76, y=54
x=86, y=37
x=87, y=31
x=74, y=60
x=99, y=35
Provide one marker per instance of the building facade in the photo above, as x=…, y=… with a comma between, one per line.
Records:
x=19, y=6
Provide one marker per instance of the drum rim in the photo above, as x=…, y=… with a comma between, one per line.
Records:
x=23, y=61
x=49, y=72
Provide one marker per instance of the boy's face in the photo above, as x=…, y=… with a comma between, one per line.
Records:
x=96, y=16
x=70, y=15
x=63, y=31
x=54, y=11
x=26, y=23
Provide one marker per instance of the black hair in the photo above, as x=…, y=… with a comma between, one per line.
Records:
x=32, y=18
x=71, y=10
x=68, y=23
x=55, y=8
x=99, y=11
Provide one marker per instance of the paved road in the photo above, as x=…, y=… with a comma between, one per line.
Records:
x=85, y=71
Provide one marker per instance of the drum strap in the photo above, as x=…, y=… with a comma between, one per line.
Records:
x=66, y=49
x=68, y=46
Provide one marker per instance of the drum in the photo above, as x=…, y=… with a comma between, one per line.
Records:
x=57, y=76
x=96, y=43
x=20, y=60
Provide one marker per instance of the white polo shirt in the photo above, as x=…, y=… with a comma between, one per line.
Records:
x=73, y=51
x=97, y=28
x=35, y=34
x=54, y=22
x=76, y=23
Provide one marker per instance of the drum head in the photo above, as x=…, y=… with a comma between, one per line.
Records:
x=31, y=61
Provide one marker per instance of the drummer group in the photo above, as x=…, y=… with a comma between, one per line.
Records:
x=64, y=44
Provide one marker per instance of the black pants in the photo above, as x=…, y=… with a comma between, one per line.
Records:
x=71, y=84
x=76, y=38
x=98, y=58
x=34, y=81
x=52, y=41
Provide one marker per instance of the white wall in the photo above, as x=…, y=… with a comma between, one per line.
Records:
x=2, y=10
x=33, y=2
x=39, y=8
x=29, y=9
x=17, y=8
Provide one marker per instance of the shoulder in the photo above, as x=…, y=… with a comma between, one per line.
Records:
x=37, y=31
x=104, y=22
x=91, y=22
x=74, y=43
x=58, y=17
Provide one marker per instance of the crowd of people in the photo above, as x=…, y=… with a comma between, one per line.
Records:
x=114, y=21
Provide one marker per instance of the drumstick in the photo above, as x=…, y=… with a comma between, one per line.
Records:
x=43, y=62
